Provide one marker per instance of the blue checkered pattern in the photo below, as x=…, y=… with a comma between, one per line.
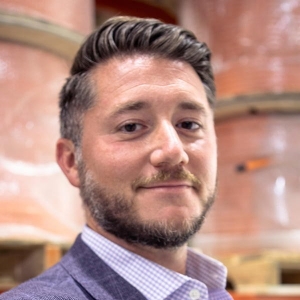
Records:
x=205, y=277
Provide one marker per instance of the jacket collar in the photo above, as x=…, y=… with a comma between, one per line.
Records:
x=96, y=277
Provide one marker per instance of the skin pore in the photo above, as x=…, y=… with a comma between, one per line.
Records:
x=147, y=164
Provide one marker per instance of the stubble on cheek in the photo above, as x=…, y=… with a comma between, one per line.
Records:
x=120, y=215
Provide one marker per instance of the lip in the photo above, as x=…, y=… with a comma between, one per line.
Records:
x=168, y=185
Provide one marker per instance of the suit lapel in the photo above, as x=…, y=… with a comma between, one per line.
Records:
x=96, y=277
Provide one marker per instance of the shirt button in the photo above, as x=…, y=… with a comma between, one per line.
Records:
x=194, y=294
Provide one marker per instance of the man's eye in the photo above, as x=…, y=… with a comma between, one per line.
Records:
x=131, y=127
x=189, y=125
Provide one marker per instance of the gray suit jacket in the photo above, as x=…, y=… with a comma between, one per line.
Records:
x=79, y=275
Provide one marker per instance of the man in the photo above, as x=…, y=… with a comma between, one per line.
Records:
x=138, y=140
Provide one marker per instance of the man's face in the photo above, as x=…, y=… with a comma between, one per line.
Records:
x=148, y=157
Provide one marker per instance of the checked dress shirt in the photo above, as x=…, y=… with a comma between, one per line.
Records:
x=205, y=278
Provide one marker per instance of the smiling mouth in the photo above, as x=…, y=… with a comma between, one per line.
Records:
x=175, y=178
x=168, y=185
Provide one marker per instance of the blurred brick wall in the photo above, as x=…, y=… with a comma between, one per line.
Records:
x=37, y=202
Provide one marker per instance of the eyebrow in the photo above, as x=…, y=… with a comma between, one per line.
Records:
x=194, y=106
x=139, y=105
x=129, y=106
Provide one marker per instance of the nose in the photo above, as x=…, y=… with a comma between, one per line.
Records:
x=168, y=148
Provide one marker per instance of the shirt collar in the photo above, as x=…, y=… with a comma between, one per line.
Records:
x=146, y=275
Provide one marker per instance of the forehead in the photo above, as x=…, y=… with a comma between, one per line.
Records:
x=145, y=77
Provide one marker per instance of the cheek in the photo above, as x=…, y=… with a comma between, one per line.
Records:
x=115, y=163
x=212, y=162
x=203, y=159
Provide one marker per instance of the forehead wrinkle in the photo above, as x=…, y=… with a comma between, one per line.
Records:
x=176, y=87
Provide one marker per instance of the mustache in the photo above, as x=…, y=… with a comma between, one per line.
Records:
x=164, y=175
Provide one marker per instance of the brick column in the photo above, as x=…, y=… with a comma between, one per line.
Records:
x=256, y=59
x=38, y=39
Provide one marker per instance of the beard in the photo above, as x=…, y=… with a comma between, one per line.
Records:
x=117, y=215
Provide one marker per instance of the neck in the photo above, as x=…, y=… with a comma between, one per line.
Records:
x=173, y=259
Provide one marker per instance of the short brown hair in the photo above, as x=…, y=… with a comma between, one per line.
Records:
x=120, y=36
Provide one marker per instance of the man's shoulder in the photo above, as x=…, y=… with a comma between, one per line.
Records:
x=79, y=275
x=55, y=283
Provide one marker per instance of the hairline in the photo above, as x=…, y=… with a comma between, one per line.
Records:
x=122, y=56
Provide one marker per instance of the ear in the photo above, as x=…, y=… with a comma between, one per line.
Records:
x=65, y=157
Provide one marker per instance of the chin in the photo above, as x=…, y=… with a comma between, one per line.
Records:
x=176, y=215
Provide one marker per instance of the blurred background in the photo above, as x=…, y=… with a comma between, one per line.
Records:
x=254, y=226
